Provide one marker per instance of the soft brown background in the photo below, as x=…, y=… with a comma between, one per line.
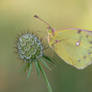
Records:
x=16, y=16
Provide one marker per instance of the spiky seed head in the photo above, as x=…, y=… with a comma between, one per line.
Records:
x=29, y=47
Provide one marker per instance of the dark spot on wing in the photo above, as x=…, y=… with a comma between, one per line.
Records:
x=90, y=42
x=79, y=60
x=79, y=31
x=84, y=57
x=87, y=36
x=89, y=53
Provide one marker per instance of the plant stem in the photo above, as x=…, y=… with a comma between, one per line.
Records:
x=45, y=78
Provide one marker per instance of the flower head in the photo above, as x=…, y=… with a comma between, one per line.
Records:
x=29, y=47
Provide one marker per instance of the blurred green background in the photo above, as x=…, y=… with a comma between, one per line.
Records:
x=16, y=16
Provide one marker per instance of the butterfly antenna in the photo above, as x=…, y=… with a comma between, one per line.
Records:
x=36, y=16
x=49, y=27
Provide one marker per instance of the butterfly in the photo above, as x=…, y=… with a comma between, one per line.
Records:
x=73, y=45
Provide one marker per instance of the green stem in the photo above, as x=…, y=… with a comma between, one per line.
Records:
x=37, y=68
x=29, y=71
x=45, y=78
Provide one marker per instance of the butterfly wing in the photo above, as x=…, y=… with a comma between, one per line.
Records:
x=74, y=46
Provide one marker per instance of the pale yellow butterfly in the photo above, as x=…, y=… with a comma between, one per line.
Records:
x=73, y=45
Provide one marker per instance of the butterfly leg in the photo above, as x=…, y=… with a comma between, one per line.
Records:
x=56, y=41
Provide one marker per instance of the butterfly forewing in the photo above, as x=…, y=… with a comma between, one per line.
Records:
x=73, y=46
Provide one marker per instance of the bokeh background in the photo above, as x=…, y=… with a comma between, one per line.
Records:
x=16, y=16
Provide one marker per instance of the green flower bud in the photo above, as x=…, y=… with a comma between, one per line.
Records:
x=29, y=47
